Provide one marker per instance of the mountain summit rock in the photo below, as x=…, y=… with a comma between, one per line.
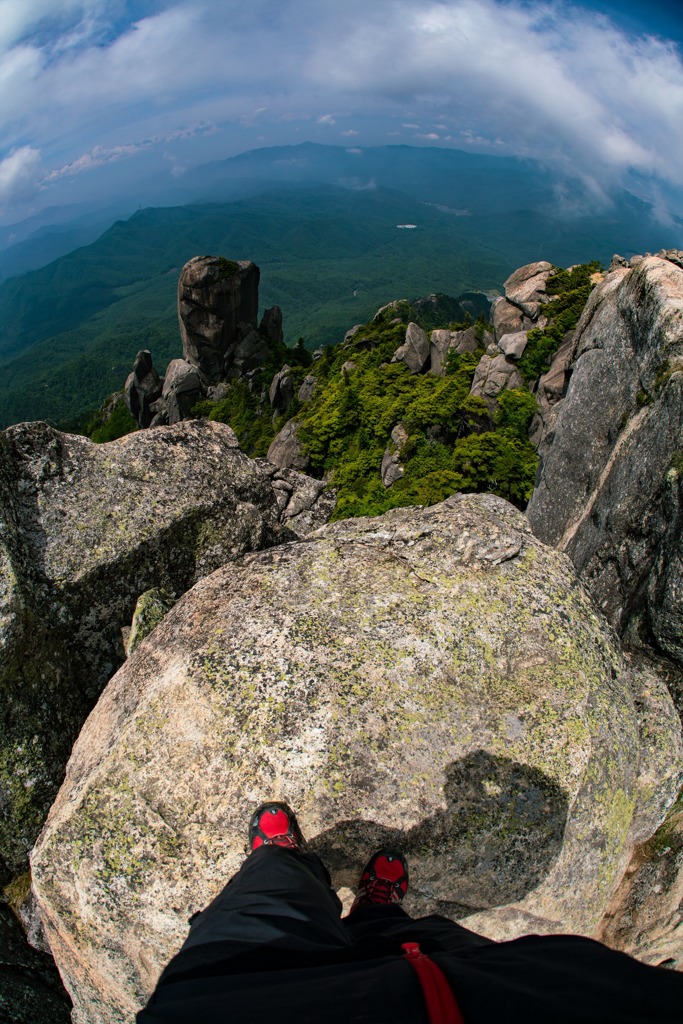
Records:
x=436, y=666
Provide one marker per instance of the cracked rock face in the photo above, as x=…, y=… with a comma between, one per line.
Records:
x=85, y=529
x=436, y=667
x=216, y=299
x=617, y=511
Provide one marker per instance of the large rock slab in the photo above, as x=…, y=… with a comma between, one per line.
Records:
x=435, y=667
x=442, y=341
x=84, y=530
x=494, y=374
x=142, y=388
x=286, y=450
x=414, y=352
x=617, y=510
x=215, y=297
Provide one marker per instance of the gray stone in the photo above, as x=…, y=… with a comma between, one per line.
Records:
x=391, y=469
x=305, y=504
x=513, y=345
x=414, y=352
x=270, y=327
x=443, y=341
x=432, y=678
x=286, y=452
x=617, y=511
x=183, y=388
x=351, y=334
x=214, y=297
x=281, y=391
x=526, y=287
x=552, y=387
x=159, y=410
x=394, y=311
x=150, y=609
x=84, y=530
x=617, y=263
x=347, y=367
x=142, y=388
x=305, y=392
x=493, y=375
x=217, y=392
x=251, y=352
x=506, y=318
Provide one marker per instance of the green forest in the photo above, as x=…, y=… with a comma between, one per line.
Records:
x=328, y=256
x=454, y=442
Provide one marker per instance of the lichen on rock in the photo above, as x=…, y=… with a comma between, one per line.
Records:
x=435, y=667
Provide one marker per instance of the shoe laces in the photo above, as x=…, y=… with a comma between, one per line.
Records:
x=284, y=840
x=379, y=890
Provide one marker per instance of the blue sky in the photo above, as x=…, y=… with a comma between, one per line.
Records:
x=101, y=98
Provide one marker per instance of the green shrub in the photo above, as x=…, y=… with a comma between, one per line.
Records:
x=571, y=289
x=117, y=425
x=516, y=409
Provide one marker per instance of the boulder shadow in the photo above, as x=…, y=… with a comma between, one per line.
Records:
x=496, y=839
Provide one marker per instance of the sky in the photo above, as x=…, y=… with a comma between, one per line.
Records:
x=103, y=98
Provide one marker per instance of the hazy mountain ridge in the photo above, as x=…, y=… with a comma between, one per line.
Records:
x=330, y=256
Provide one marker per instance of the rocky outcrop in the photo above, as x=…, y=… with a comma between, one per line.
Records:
x=436, y=666
x=617, y=510
x=391, y=469
x=522, y=305
x=494, y=373
x=304, y=504
x=442, y=341
x=526, y=288
x=252, y=351
x=143, y=387
x=217, y=305
x=150, y=609
x=84, y=530
x=551, y=389
x=183, y=388
x=414, y=352
x=512, y=345
x=286, y=451
x=281, y=391
x=307, y=389
x=270, y=327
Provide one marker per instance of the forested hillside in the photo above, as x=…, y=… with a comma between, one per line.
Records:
x=330, y=256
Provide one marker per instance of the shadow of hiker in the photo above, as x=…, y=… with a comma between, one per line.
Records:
x=497, y=838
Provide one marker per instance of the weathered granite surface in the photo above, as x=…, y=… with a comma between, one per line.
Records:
x=610, y=484
x=440, y=666
x=84, y=530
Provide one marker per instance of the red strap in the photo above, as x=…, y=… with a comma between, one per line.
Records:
x=441, y=1005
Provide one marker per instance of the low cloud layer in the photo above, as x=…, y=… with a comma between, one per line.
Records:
x=94, y=82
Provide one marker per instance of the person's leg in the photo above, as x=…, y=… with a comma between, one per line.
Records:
x=281, y=898
x=433, y=933
x=377, y=911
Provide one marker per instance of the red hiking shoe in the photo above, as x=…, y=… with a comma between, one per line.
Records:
x=384, y=880
x=275, y=824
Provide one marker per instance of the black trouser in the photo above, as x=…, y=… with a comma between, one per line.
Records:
x=273, y=942
x=282, y=899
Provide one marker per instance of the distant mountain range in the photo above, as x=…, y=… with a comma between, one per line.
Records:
x=322, y=223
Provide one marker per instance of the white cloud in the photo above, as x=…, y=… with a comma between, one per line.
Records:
x=547, y=80
x=18, y=173
x=349, y=132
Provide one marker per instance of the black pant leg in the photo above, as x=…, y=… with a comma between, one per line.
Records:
x=279, y=898
x=433, y=933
